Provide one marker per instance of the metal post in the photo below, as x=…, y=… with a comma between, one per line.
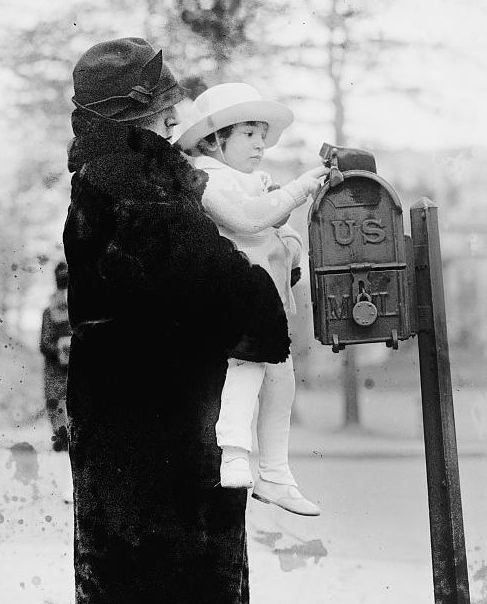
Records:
x=450, y=575
x=350, y=389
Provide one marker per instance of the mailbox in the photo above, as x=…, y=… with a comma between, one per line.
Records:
x=364, y=281
x=359, y=257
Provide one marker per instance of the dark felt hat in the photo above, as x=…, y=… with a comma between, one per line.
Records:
x=124, y=79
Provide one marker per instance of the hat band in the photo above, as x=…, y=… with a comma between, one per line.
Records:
x=139, y=94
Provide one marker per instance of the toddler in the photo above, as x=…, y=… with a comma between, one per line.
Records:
x=227, y=131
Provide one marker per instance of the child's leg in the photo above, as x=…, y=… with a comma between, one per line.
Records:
x=233, y=429
x=276, y=483
x=273, y=422
x=239, y=397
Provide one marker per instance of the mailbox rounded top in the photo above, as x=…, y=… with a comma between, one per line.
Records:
x=357, y=221
x=358, y=189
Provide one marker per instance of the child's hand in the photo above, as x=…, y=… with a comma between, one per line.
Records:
x=310, y=180
x=317, y=172
x=307, y=184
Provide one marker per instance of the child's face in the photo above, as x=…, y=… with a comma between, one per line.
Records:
x=244, y=148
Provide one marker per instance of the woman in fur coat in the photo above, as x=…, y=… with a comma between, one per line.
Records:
x=158, y=301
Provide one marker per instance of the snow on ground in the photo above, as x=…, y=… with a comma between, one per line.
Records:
x=370, y=545
x=36, y=526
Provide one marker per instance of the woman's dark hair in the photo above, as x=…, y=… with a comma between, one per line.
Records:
x=223, y=136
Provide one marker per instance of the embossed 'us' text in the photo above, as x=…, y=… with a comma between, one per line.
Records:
x=370, y=229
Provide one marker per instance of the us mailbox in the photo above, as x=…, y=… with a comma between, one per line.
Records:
x=371, y=283
x=359, y=259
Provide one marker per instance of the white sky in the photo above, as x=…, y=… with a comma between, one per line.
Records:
x=453, y=80
x=444, y=57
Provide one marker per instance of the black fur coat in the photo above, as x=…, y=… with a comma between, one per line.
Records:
x=158, y=300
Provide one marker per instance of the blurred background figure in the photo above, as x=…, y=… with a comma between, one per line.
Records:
x=54, y=345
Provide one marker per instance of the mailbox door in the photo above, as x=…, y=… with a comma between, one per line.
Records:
x=335, y=298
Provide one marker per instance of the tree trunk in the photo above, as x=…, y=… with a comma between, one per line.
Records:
x=335, y=64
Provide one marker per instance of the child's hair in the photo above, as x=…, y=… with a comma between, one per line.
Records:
x=223, y=135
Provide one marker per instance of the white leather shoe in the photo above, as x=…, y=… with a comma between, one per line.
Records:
x=235, y=474
x=285, y=496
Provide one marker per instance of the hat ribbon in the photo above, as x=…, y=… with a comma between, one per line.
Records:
x=138, y=93
x=141, y=94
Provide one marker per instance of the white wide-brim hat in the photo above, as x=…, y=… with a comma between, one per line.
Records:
x=227, y=104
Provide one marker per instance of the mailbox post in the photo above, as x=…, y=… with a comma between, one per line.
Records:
x=445, y=507
x=371, y=283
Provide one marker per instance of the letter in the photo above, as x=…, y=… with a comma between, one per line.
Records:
x=380, y=299
x=343, y=240
x=373, y=231
x=336, y=312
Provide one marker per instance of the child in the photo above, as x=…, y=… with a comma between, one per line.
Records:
x=228, y=129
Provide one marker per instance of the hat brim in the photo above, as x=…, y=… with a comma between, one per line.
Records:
x=276, y=115
x=135, y=110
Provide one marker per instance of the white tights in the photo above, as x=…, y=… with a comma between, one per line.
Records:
x=274, y=387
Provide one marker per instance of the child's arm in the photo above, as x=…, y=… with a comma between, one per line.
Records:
x=294, y=243
x=231, y=207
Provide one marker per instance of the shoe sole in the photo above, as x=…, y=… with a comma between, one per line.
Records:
x=263, y=499
x=239, y=479
x=236, y=486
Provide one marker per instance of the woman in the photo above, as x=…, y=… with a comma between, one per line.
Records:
x=54, y=345
x=158, y=301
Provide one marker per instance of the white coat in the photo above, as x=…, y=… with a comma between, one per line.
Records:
x=245, y=212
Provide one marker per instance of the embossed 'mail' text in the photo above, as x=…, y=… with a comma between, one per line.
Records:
x=371, y=231
x=340, y=307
